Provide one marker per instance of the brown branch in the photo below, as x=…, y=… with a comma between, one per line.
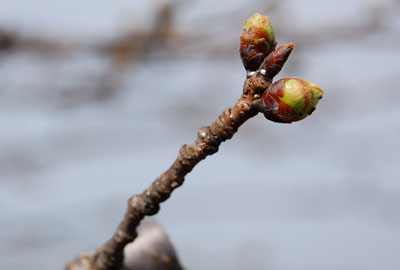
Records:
x=110, y=255
x=209, y=138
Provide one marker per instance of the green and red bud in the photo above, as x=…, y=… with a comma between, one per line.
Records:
x=290, y=99
x=256, y=41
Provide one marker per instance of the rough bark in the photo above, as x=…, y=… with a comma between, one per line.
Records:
x=110, y=256
x=208, y=140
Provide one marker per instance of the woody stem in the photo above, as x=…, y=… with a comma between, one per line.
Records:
x=110, y=255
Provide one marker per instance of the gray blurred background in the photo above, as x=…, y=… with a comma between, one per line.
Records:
x=96, y=97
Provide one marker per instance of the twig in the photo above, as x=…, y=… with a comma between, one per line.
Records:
x=257, y=50
x=209, y=138
x=110, y=255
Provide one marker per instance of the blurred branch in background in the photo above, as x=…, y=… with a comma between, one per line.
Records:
x=137, y=44
x=130, y=48
x=134, y=47
x=131, y=43
x=54, y=74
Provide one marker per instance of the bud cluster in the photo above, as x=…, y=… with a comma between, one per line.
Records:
x=287, y=100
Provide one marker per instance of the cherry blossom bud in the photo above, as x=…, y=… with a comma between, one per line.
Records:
x=257, y=41
x=290, y=99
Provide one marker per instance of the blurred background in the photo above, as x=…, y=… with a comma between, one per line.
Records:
x=96, y=97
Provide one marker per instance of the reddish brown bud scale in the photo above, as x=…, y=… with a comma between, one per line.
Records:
x=274, y=62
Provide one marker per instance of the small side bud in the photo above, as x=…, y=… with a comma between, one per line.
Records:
x=290, y=99
x=256, y=41
x=274, y=62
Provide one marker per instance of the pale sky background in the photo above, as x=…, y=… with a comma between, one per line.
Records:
x=321, y=194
